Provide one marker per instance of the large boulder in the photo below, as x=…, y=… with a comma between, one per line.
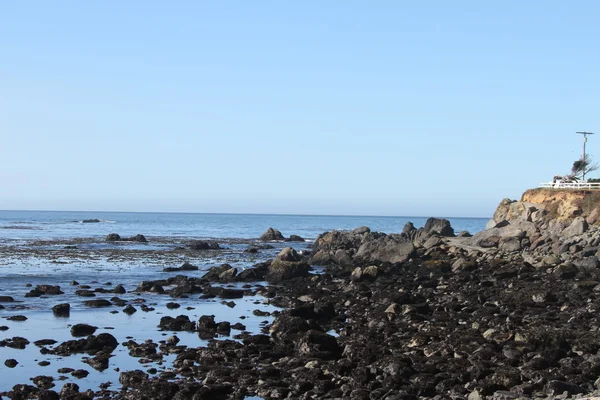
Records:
x=440, y=226
x=288, y=254
x=576, y=228
x=271, y=235
x=387, y=248
x=282, y=270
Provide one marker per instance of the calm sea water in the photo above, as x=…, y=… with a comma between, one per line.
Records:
x=59, y=224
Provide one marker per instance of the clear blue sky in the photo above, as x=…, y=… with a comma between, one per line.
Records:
x=327, y=107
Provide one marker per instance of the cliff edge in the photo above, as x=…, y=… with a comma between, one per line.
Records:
x=545, y=227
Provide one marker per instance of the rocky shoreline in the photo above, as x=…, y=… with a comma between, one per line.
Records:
x=509, y=313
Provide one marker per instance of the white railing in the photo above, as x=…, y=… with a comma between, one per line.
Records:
x=571, y=185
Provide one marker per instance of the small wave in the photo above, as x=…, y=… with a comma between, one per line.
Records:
x=27, y=228
x=95, y=221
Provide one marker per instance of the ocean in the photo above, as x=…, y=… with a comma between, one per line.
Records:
x=18, y=225
x=58, y=248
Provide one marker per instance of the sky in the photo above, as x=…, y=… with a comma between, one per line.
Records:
x=404, y=108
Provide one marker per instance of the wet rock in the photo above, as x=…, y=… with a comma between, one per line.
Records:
x=43, y=382
x=204, y=245
x=129, y=309
x=62, y=310
x=80, y=373
x=6, y=299
x=19, y=318
x=556, y=387
x=113, y=237
x=317, y=344
x=137, y=238
x=179, y=323
x=79, y=330
x=271, y=235
x=85, y=293
x=295, y=238
x=227, y=293
x=133, y=378
x=185, y=267
x=92, y=344
x=119, y=289
x=97, y=303
x=11, y=363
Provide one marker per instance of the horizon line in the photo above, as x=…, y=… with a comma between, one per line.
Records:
x=240, y=213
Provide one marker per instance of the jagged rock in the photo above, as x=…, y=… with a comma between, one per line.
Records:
x=438, y=226
x=576, y=228
x=390, y=248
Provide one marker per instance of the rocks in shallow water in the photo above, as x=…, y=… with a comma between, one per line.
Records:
x=204, y=245
x=78, y=330
x=6, y=299
x=185, y=267
x=11, y=363
x=92, y=344
x=97, y=303
x=129, y=309
x=288, y=254
x=62, y=310
x=113, y=237
x=133, y=378
x=17, y=318
x=295, y=238
x=16, y=342
x=179, y=323
x=271, y=235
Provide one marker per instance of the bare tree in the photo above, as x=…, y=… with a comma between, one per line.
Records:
x=582, y=167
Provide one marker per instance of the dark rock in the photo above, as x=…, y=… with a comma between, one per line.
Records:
x=119, y=289
x=439, y=226
x=62, y=310
x=129, y=309
x=16, y=342
x=79, y=330
x=113, y=237
x=283, y=270
x=17, y=318
x=185, y=267
x=97, y=303
x=204, y=245
x=271, y=235
x=11, y=363
x=6, y=299
x=80, y=373
x=133, y=378
x=137, y=238
x=180, y=323
x=90, y=221
x=295, y=238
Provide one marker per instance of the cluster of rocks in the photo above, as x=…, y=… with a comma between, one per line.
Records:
x=273, y=235
x=420, y=314
x=115, y=237
x=546, y=234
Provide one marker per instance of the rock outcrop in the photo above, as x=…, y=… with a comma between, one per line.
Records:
x=546, y=227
